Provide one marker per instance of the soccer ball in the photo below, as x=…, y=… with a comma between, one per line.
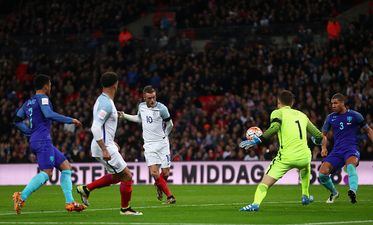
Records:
x=253, y=131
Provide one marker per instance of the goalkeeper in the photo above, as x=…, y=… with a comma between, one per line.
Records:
x=291, y=127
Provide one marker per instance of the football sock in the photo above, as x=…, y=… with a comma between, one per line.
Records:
x=164, y=176
x=104, y=181
x=327, y=182
x=352, y=177
x=35, y=183
x=260, y=193
x=305, y=175
x=67, y=185
x=125, y=193
x=161, y=183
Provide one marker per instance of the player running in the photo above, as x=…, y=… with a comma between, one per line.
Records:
x=105, y=150
x=346, y=124
x=38, y=111
x=291, y=127
x=156, y=126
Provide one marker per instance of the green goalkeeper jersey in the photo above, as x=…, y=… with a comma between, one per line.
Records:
x=291, y=126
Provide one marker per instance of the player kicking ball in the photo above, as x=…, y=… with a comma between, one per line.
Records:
x=345, y=124
x=105, y=150
x=291, y=127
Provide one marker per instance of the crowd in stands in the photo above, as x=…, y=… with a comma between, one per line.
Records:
x=216, y=13
x=213, y=95
x=73, y=17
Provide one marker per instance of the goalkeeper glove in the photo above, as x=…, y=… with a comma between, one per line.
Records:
x=250, y=143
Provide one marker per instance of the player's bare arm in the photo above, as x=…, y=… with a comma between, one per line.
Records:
x=77, y=123
x=132, y=118
x=369, y=131
x=324, y=150
x=105, y=152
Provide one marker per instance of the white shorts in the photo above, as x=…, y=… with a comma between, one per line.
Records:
x=158, y=153
x=116, y=164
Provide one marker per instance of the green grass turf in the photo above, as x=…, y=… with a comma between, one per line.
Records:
x=195, y=204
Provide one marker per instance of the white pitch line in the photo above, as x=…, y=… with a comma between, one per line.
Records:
x=162, y=206
x=139, y=223
x=336, y=222
x=149, y=207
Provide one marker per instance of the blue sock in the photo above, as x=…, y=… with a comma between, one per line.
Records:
x=352, y=177
x=67, y=185
x=35, y=183
x=327, y=182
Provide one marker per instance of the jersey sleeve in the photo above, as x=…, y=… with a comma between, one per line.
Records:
x=138, y=112
x=326, y=127
x=360, y=120
x=18, y=122
x=103, y=112
x=276, y=120
x=276, y=116
x=312, y=129
x=49, y=113
x=164, y=113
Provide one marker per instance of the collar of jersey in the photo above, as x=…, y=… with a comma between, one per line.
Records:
x=156, y=103
x=105, y=95
x=285, y=107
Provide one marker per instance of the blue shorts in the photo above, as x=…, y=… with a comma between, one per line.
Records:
x=338, y=158
x=47, y=155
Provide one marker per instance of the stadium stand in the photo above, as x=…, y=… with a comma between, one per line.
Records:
x=213, y=95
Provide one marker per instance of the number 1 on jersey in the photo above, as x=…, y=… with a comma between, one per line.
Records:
x=300, y=130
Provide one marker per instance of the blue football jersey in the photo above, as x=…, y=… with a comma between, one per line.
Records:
x=345, y=129
x=39, y=112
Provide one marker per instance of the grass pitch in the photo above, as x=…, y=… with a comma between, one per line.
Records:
x=195, y=205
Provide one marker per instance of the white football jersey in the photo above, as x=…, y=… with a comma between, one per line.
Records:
x=153, y=123
x=105, y=113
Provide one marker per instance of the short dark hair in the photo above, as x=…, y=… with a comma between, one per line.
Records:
x=286, y=97
x=40, y=80
x=148, y=89
x=108, y=79
x=339, y=97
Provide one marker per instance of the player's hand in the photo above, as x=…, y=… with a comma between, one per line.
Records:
x=121, y=115
x=250, y=143
x=77, y=123
x=105, y=155
x=324, y=152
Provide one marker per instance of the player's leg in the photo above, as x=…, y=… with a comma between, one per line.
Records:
x=351, y=164
x=324, y=179
x=159, y=180
x=104, y=181
x=164, y=174
x=125, y=177
x=65, y=181
x=260, y=193
x=43, y=155
x=275, y=171
x=165, y=171
x=154, y=162
x=305, y=174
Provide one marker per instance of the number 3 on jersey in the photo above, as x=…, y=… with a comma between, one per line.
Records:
x=149, y=119
x=341, y=127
